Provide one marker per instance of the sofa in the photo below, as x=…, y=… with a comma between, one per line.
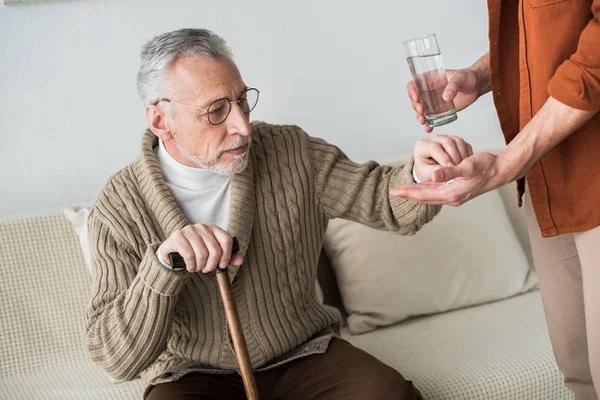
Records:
x=484, y=341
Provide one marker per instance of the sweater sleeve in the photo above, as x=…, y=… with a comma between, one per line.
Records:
x=130, y=315
x=576, y=82
x=360, y=192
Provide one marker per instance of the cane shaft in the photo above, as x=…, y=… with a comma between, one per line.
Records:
x=233, y=320
x=237, y=336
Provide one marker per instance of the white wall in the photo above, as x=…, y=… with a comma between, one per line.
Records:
x=70, y=116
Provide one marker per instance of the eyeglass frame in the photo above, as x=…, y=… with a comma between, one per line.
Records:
x=211, y=104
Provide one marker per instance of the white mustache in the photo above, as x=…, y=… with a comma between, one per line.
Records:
x=236, y=146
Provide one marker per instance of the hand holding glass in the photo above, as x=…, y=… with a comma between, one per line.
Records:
x=425, y=62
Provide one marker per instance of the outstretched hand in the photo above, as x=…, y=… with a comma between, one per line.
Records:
x=455, y=185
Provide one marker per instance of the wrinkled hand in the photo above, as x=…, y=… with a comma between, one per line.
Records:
x=437, y=151
x=456, y=185
x=462, y=88
x=203, y=247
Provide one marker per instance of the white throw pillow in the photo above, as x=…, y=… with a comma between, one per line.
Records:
x=78, y=217
x=467, y=255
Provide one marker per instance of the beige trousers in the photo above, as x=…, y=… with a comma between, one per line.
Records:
x=568, y=270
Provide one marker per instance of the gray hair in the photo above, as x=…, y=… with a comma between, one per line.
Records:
x=161, y=51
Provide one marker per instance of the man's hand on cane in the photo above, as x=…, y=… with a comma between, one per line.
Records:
x=203, y=248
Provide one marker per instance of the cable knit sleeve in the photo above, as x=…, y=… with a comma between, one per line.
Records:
x=130, y=315
x=360, y=192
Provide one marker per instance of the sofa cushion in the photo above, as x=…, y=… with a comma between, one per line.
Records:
x=467, y=255
x=76, y=380
x=45, y=286
x=496, y=351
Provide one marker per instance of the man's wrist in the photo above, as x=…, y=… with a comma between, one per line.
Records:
x=482, y=72
x=508, y=167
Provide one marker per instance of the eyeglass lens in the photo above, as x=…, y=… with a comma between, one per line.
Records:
x=219, y=110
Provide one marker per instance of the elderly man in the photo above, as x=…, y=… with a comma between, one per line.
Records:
x=206, y=174
x=543, y=68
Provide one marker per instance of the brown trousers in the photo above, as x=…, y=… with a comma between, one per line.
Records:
x=568, y=270
x=343, y=372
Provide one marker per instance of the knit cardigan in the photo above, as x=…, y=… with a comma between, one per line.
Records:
x=146, y=319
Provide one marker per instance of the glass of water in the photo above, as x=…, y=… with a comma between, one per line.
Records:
x=425, y=62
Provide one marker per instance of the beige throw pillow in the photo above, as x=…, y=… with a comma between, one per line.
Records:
x=467, y=255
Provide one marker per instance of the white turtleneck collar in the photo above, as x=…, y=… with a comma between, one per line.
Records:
x=191, y=178
x=203, y=196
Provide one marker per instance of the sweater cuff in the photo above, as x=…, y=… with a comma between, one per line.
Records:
x=158, y=278
x=404, y=174
x=417, y=213
x=404, y=208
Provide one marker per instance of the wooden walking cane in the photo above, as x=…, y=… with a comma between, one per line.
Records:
x=233, y=320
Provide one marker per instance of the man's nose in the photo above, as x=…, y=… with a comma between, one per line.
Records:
x=238, y=122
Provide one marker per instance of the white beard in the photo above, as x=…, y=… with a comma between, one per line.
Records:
x=240, y=162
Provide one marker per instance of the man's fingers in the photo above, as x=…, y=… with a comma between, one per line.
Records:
x=164, y=254
x=236, y=260
x=412, y=92
x=415, y=101
x=214, y=253
x=450, y=92
x=466, y=170
x=455, y=147
x=463, y=147
x=435, y=151
x=447, y=145
x=202, y=247
x=198, y=244
x=177, y=243
x=418, y=107
x=452, y=185
x=185, y=249
x=423, y=121
x=430, y=193
x=456, y=82
x=451, y=148
x=425, y=193
x=226, y=242
x=445, y=174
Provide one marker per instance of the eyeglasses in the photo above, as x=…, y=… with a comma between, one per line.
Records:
x=219, y=110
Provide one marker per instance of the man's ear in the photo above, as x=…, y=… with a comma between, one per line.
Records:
x=157, y=122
